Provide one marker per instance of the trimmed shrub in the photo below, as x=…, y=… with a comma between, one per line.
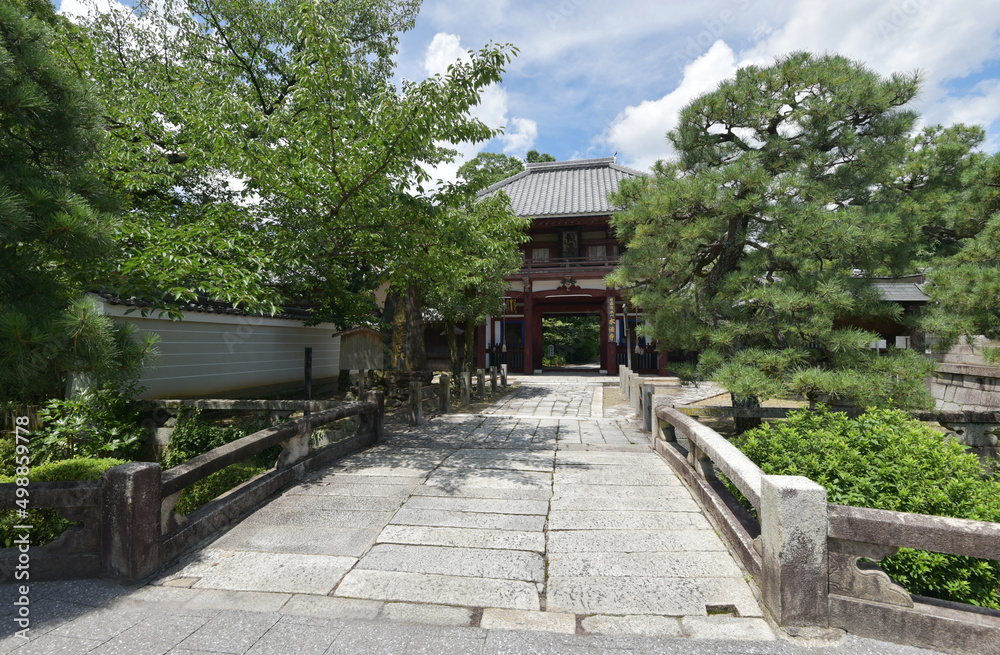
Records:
x=215, y=485
x=47, y=524
x=886, y=460
x=194, y=436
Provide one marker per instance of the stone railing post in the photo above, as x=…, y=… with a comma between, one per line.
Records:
x=664, y=429
x=445, y=384
x=653, y=400
x=294, y=448
x=634, y=393
x=416, y=415
x=375, y=423
x=503, y=375
x=480, y=384
x=794, y=568
x=466, y=387
x=493, y=379
x=130, y=521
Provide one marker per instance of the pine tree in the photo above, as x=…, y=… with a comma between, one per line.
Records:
x=55, y=222
x=757, y=247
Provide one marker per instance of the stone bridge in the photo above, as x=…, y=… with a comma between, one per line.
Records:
x=541, y=523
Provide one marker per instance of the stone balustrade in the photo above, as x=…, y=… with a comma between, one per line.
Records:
x=804, y=552
x=129, y=528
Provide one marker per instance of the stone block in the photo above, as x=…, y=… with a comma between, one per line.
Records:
x=426, y=614
x=463, y=537
x=130, y=518
x=472, y=562
x=794, y=569
x=633, y=624
x=506, y=619
x=727, y=627
x=442, y=589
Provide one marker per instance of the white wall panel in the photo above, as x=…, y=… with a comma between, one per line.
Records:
x=212, y=354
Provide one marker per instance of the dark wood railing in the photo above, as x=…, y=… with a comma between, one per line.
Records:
x=561, y=264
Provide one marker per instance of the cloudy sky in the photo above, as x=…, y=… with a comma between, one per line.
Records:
x=594, y=78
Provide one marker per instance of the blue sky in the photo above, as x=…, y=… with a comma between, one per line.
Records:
x=594, y=78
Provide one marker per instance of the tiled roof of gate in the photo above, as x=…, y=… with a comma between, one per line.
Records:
x=564, y=188
x=906, y=289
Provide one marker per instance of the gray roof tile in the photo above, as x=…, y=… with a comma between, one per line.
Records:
x=900, y=290
x=564, y=188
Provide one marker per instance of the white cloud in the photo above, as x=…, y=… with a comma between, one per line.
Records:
x=945, y=40
x=519, y=133
x=83, y=8
x=639, y=132
x=444, y=50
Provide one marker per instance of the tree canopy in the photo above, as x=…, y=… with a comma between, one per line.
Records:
x=260, y=145
x=758, y=246
x=56, y=222
x=488, y=168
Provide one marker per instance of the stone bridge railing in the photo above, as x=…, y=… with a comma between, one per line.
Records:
x=804, y=553
x=129, y=529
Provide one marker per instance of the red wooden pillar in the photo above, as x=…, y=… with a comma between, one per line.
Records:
x=538, y=339
x=529, y=329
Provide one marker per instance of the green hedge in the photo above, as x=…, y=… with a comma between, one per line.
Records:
x=47, y=524
x=194, y=436
x=886, y=460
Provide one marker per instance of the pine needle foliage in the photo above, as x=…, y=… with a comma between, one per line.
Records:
x=757, y=246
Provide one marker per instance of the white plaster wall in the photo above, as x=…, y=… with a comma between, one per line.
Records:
x=207, y=354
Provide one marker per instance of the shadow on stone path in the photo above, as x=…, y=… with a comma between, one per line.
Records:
x=537, y=525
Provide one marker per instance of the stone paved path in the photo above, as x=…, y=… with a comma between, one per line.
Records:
x=536, y=526
x=538, y=511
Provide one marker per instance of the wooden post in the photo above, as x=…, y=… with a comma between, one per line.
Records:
x=416, y=403
x=309, y=378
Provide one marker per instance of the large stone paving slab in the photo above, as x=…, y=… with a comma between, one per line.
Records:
x=473, y=562
x=442, y=589
x=259, y=571
x=479, y=520
x=463, y=537
x=678, y=596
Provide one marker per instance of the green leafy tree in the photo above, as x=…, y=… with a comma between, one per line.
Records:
x=756, y=248
x=488, y=168
x=577, y=339
x=258, y=142
x=460, y=252
x=56, y=224
x=534, y=156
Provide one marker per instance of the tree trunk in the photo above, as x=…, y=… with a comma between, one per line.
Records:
x=470, y=344
x=748, y=402
x=454, y=356
x=416, y=352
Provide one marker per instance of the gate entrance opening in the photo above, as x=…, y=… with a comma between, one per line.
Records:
x=571, y=342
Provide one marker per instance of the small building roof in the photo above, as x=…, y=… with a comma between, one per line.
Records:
x=903, y=289
x=564, y=188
